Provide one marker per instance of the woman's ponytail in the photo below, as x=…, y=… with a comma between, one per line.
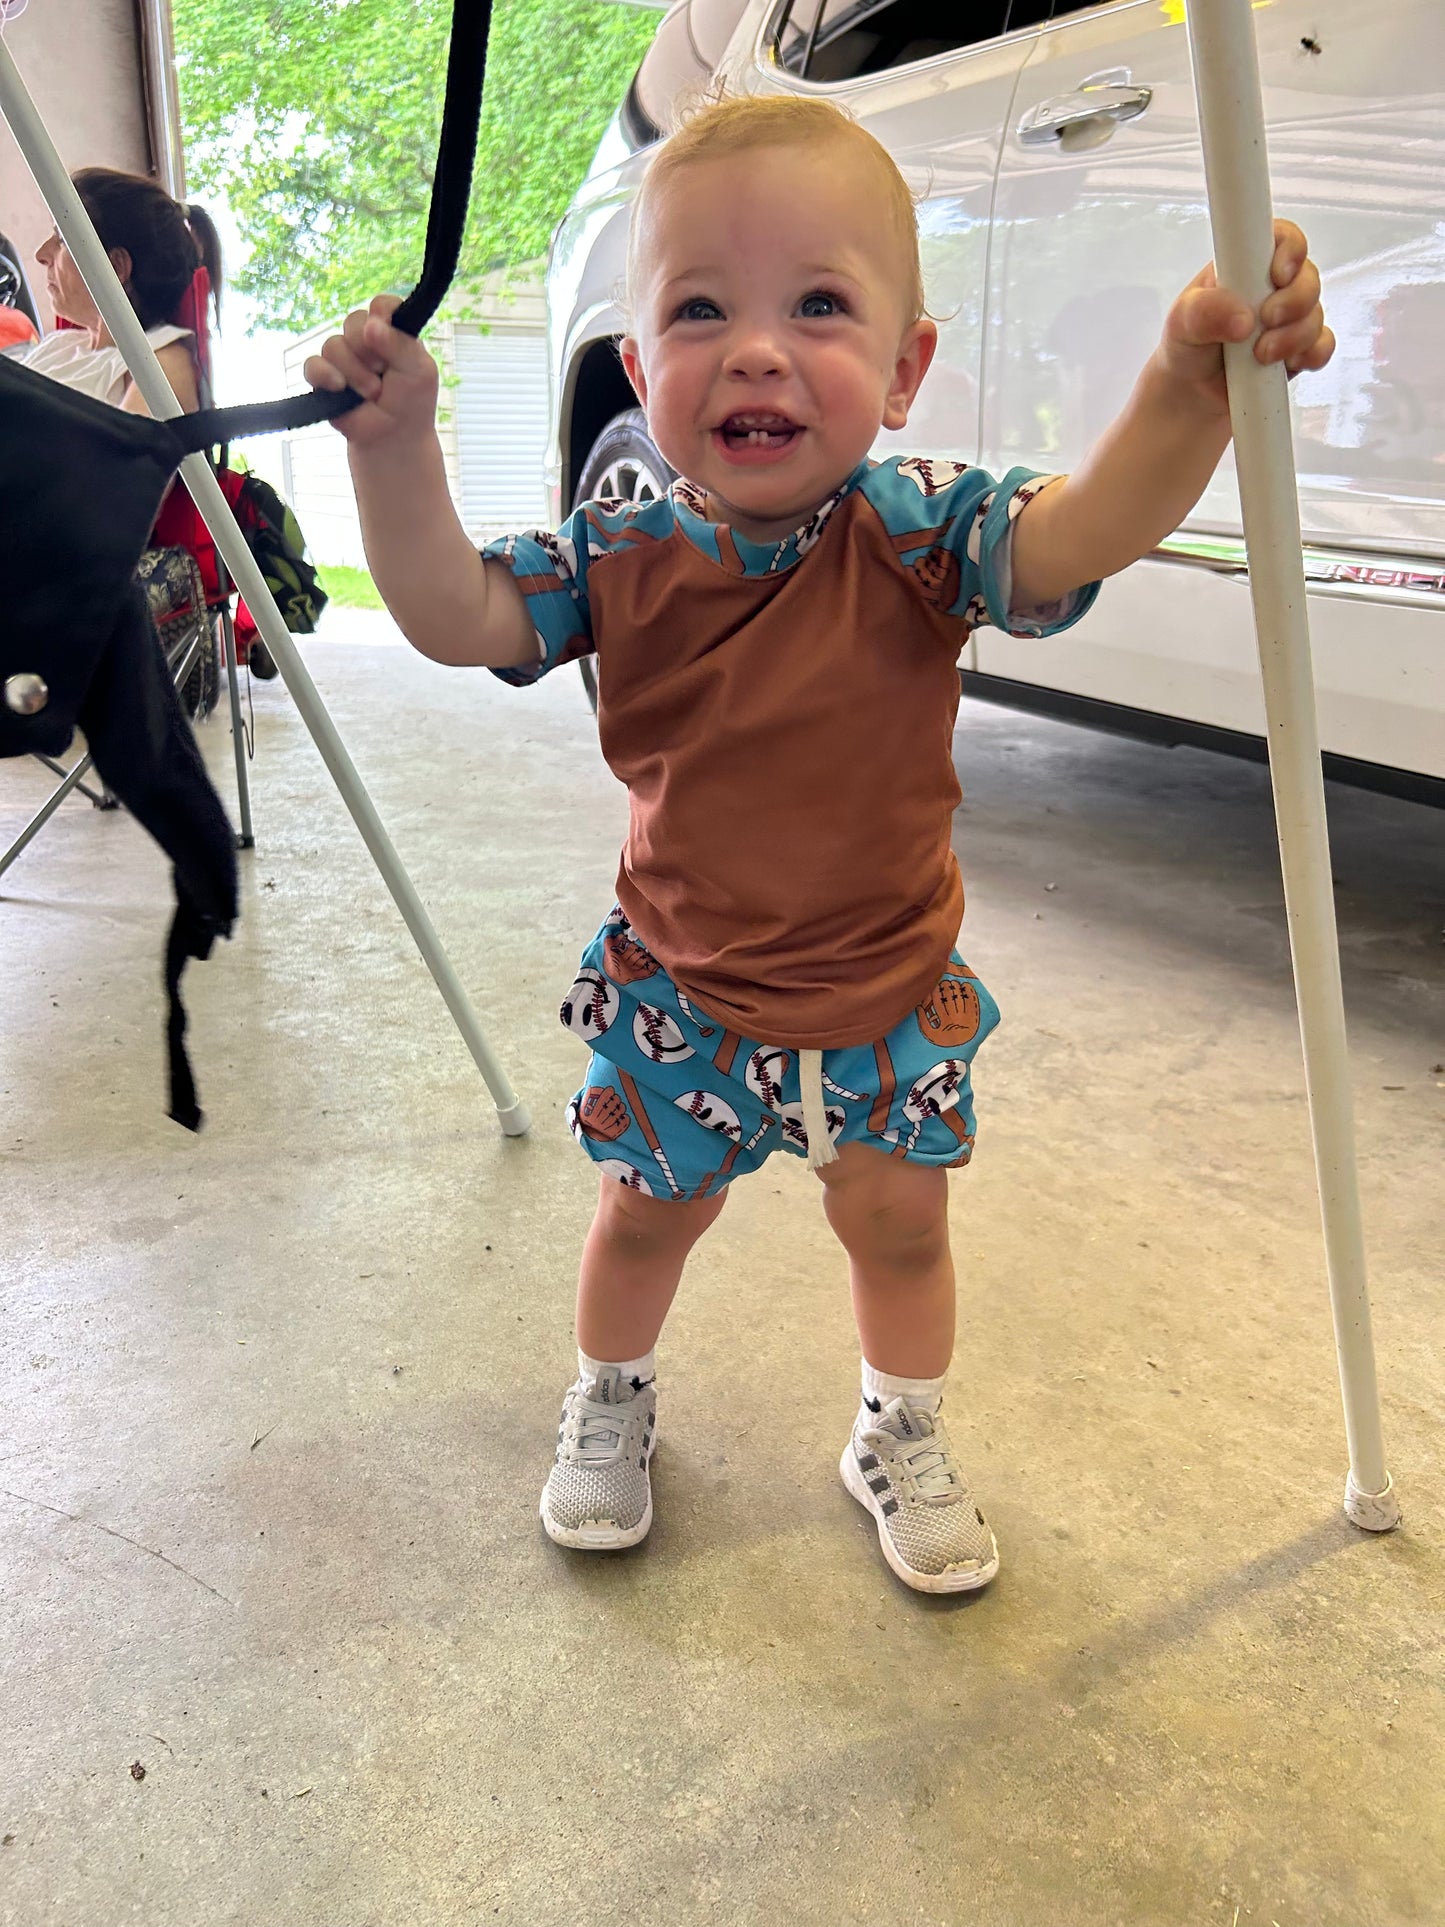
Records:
x=208, y=246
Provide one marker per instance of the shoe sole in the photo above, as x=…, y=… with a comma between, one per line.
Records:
x=952, y=1579
x=598, y=1535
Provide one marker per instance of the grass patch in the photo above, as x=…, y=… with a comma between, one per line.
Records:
x=350, y=588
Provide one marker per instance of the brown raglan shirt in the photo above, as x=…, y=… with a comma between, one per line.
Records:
x=782, y=716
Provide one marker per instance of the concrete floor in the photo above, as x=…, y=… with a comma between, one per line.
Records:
x=278, y=1400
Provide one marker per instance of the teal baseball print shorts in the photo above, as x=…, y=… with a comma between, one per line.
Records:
x=676, y=1105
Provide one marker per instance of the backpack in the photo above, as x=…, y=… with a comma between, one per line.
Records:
x=273, y=535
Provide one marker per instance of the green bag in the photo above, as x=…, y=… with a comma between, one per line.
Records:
x=274, y=538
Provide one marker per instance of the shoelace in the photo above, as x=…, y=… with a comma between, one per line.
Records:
x=928, y=1465
x=595, y=1431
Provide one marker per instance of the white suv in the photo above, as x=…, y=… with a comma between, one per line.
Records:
x=1054, y=151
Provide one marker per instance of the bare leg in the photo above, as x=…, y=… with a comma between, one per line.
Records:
x=892, y=1219
x=631, y=1265
x=899, y=1465
x=597, y=1497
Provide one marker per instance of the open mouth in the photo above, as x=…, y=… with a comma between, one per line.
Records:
x=760, y=431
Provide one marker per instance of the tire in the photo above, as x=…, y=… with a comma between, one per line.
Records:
x=624, y=464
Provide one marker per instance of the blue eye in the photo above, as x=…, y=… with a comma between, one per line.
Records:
x=699, y=309
x=818, y=306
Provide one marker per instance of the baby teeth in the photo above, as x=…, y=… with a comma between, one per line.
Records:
x=754, y=437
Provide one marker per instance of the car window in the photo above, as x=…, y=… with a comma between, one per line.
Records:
x=836, y=40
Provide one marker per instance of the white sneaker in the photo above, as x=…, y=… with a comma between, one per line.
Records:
x=599, y=1496
x=900, y=1465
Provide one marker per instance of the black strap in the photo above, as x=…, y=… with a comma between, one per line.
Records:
x=187, y=939
x=210, y=427
x=446, y=226
x=456, y=156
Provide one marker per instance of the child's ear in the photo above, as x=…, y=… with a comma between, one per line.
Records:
x=915, y=352
x=632, y=367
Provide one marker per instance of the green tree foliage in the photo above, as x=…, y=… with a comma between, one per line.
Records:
x=317, y=121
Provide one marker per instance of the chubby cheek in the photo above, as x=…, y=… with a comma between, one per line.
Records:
x=851, y=391
x=676, y=398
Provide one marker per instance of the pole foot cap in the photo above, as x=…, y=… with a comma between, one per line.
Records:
x=515, y=1119
x=1372, y=1511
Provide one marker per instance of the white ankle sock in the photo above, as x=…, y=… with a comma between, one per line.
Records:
x=879, y=1388
x=635, y=1371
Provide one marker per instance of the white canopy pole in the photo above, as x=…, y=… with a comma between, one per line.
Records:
x=1231, y=120
x=80, y=238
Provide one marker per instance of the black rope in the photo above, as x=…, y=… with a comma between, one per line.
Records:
x=456, y=158
x=188, y=938
x=446, y=228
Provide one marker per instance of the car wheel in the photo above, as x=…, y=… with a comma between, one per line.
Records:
x=624, y=465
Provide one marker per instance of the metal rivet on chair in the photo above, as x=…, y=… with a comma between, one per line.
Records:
x=27, y=695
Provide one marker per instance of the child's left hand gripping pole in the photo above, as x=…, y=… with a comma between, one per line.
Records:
x=1231, y=118
x=84, y=244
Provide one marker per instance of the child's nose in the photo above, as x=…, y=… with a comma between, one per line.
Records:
x=755, y=354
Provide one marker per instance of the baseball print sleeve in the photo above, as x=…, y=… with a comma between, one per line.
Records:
x=987, y=545
x=953, y=526
x=551, y=572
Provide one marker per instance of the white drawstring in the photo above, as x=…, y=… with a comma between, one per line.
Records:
x=821, y=1149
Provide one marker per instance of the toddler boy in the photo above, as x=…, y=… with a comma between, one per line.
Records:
x=776, y=645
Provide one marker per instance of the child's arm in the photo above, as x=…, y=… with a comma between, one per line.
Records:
x=1148, y=469
x=447, y=602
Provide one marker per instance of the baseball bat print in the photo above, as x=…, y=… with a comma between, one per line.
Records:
x=727, y=1052
x=721, y=1172
x=887, y=1085
x=644, y=1124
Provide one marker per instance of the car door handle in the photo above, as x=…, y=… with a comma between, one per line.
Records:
x=1044, y=125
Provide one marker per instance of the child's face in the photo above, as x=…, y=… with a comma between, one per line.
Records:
x=772, y=339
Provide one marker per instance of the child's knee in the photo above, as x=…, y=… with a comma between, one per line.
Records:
x=891, y=1213
x=644, y=1226
x=904, y=1236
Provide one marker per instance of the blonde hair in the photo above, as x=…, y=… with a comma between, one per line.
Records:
x=716, y=128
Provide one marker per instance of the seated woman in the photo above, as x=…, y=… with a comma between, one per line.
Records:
x=155, y=245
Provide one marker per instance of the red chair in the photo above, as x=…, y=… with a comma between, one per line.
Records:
x=17, y=330
x=179, y=524
x=18, y=325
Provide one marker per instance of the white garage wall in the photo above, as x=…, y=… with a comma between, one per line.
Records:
x=500, y=418
x=493, y=425
x=317, y=481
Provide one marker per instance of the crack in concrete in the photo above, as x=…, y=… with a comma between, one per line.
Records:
x=75, y=1519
